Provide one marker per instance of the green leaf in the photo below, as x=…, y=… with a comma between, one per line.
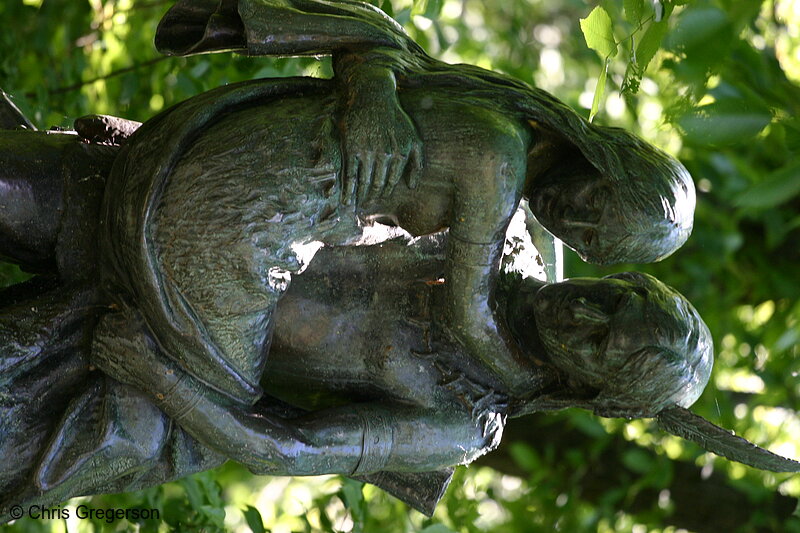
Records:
x=427, y=8
x=649, y=45
x=599, y=91
x=11, y=274
x=254, y=520
x=697, y=27
x=525, y=456
x=590, y=426
x=779, y=187
x=352, y=496
x=211, y=489
x=637, y=460
x=433, y=9
x=352, y=492
x=633, y=11
x=643, y=54
x=216, y=515
x=724, y=122
x=193, y=492
x=599, y=33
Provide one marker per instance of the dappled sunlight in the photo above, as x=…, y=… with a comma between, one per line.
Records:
x=288, y=504
x=739, y=381
x=786, y=36
x=754, y=317
x=552, y=68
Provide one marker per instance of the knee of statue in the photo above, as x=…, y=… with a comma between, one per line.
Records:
x=629, y=345
x=31, y=197
x=616, y=200
x=51, y=186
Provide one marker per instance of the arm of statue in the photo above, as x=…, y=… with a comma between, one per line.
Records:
x=486, y=197
x=470, y=273
x=379, y=140
x=352, y=440
x=276, y=27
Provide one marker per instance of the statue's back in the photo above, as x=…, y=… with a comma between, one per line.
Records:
x=251, y=186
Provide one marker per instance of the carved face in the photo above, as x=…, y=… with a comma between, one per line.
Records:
x=638, y=219
x=629, y=337
x=582, y=212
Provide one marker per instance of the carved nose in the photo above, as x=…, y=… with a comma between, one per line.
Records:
x=586, y=311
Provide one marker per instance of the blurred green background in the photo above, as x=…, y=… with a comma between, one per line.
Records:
x=714, y=82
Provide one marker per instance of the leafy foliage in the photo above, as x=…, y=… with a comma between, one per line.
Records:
x=598, y=32
x=713, y=81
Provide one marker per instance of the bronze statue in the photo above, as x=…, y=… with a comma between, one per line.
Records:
x=625, y=346
x=174, y=243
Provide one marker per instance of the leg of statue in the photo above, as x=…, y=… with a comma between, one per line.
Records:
x=51, y=189
x=110, y=439
x=114, y=439
x=110, y=432
x=64, y=429
x=31, y=196
x=43, y=362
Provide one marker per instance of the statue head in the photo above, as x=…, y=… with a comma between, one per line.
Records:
x=640, y=214
x=628, y=344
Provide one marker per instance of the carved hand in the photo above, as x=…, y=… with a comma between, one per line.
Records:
x=380, y=142
x=133, y=359
x=483, y=336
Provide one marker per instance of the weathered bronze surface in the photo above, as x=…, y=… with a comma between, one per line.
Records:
x=163, y=335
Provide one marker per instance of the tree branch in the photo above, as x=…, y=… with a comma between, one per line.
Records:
x=702, y=501
x=112, y=74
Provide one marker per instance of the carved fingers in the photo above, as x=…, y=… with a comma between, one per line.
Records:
x=411, y=166
x=379, y=155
